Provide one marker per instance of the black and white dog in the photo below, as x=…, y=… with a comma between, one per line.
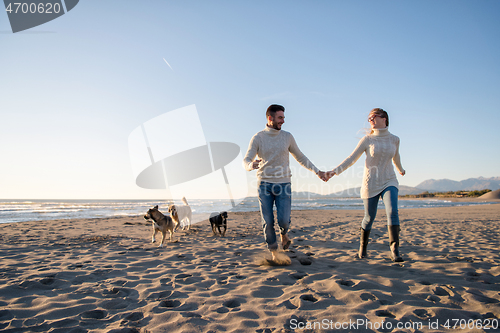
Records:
x=218, y=220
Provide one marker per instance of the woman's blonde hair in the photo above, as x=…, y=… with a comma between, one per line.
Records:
x=381, y=113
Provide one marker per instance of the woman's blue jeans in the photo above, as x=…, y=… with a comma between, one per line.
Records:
x=390, y=198
x=281, y=195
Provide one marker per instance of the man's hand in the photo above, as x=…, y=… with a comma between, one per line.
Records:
x=323, y=176
x=255, y=164
x=402, y=173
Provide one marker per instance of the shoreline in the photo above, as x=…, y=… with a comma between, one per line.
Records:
x=89, y=213
x=342, y=211
x=105, y=275
x=453, y=199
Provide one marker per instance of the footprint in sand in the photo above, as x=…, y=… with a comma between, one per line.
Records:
x=489, y=315
x=187, y=279
x=385, y=302
x=305, y=261
x=119, y=282
x=133, y=316
x=222, y=310
x=368, y=297
x=238, y=277
x=165, y=281
x=267, y=292
x=37, y=321
x=305, y=302
x=118, y=330
x=289, y=305
x=479, y=297
x=222, y=280
x=191, y=315
x=160, y=295
x=384, y=313
x=229, y=305
x=433, y=299
x=94, y=314
x=5, y=315
x=49, y=280
x=183, y=276
x=113, y=304
x=169, y=303
x=116, y=292
x=299, y=275
x=472, y=276
x=26, y=284
x=232, y=303
x=265, y=330
x=309, y=298
x=441, y=292
x=346, y=283
x=422, y=313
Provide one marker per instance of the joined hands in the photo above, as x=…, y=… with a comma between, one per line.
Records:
x=325, y=176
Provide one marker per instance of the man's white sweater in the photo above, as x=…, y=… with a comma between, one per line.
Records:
x=273, y=146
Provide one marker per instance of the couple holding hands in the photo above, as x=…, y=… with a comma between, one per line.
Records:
x=272, y=146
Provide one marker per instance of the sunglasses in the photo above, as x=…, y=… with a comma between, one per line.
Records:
x=374, y=116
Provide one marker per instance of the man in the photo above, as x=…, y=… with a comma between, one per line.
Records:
x=272, y=146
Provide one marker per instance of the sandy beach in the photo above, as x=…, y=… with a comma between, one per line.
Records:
x=105, y=275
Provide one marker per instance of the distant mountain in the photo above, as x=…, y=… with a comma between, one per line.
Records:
x=431, y=185
x=407, y=190
x=355, y=192
x=305, y=195
x=471, y=184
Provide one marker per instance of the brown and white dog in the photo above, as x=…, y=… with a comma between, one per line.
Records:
x=161, y=223
x=181, y=214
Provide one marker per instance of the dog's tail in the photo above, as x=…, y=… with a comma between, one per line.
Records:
x=185, y=201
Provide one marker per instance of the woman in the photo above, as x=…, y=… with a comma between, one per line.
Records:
x=379, y=180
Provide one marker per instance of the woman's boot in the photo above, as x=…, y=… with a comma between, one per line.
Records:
x=394, y=243
x=363, y=242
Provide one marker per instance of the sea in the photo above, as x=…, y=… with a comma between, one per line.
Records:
x=36, y=210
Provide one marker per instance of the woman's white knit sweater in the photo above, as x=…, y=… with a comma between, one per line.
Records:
x=273, y=146
x=381, y=149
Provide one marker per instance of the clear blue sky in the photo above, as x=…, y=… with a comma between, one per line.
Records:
x=73, y=89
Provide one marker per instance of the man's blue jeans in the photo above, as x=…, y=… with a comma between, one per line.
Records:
x=390, y=198
x=269, y=194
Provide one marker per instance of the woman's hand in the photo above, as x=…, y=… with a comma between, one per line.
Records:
x=402, y=173
x=330, y=174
